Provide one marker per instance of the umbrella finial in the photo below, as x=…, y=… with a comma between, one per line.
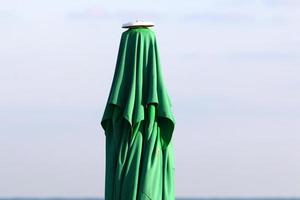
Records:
x=138, y=23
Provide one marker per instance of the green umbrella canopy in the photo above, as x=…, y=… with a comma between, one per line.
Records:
x=138, y=123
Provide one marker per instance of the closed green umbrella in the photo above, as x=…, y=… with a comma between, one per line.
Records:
x=138, y=123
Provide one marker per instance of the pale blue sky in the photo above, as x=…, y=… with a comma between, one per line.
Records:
x=231, y=68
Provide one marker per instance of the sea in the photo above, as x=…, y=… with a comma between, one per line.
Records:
x=178, y=198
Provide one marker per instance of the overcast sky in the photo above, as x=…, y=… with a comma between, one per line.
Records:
x=232, y=68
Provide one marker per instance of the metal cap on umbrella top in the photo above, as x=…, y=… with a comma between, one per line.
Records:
x=138, y=122
x=138, y=23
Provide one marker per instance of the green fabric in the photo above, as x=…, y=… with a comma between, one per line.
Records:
x=138, y=124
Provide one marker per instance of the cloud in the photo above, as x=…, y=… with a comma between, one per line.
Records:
x=90, y=13
x=5, y=14
x=215, y=17
x=138, y=14
x=265, y=56
x=249, y=3
x=290, y=3
x=101, y=13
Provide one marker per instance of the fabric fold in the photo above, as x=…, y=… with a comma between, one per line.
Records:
x=138, y=82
